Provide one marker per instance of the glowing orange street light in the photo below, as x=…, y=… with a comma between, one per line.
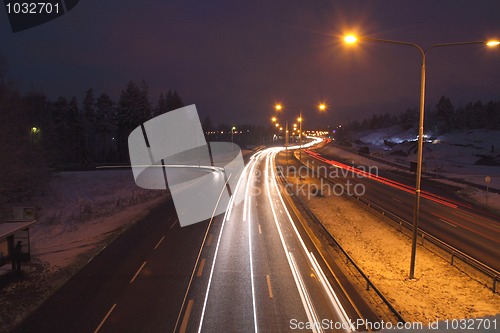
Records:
x=322, y=107
x=351, y=39
x=278, y=107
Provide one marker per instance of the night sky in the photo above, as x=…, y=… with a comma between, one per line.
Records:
x=235, y=59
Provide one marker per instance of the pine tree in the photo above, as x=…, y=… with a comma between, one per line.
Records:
x=104, y=125
x=173, y=101
x=89, y=106
x=162, y=106
x=133, y=110
x=444, y=115
x=60, y=137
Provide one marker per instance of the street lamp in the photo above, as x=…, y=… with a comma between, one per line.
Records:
x=300, y=136
x=351, y=39
x=232, y=133
x=322, y=109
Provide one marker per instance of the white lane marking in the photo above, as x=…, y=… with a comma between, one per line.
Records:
x=159, y=242
x=307, y=305
x=226, y=217
x=304, y=295
x=209, y=240
x=200, y=269
x=326, y=285
x=443, y=220
x=138, y=271
x=174, y=223
x=260, y=229
x=231, y=200
x=269, y=287
x=185, y=320
x=251, y=266
x=397, y=200
x=331, y=294
x=223, y=188
x=105, y=318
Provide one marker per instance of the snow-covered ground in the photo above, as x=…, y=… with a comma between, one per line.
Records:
x=440, y=291
x=82, y=208
x=454, y=154
x=77, y=216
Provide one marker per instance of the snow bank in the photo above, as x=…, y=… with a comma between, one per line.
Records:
x=80, y=209
x=440, y=291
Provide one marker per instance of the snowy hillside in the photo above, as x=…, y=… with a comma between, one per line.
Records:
x=80, y=209
x=470, y=155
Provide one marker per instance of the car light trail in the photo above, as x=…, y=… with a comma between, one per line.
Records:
x=271, y=179
x=304, y=295
x=331, y=294
x=308, y=307
x=380, y=179
x=230, y=205
x=247, y=216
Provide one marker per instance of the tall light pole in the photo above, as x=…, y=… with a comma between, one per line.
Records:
x=423, y=52
x=300, y=136
x=322, y=110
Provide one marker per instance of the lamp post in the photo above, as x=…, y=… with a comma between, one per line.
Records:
x=232, y=133
x=423, y=52
x=322, y=110
x=300, y=136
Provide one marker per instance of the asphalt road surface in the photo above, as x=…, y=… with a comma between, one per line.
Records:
x=261, y=272
x=136, y=284
x=253, y=269
x=461, y=225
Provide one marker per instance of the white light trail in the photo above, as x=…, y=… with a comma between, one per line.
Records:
x=314, y=264
x=308, y=307
x=231, y=203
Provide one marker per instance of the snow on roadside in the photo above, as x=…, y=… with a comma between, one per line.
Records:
x=476, y=175
x=439, y=291
x=453, y=155
x=78, y=215
x=80, y=209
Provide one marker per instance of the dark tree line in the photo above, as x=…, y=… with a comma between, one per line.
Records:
x=21, y=153
x=96, y=131
x=38, y=135
x=475, y=115
x=443, y=118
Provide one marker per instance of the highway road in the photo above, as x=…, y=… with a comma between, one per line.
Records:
x=264, y=273
x=136, y=284
x=253, y=269
x=461, y=225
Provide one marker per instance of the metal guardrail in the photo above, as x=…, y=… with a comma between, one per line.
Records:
x=454, y=253
x=349, y=260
